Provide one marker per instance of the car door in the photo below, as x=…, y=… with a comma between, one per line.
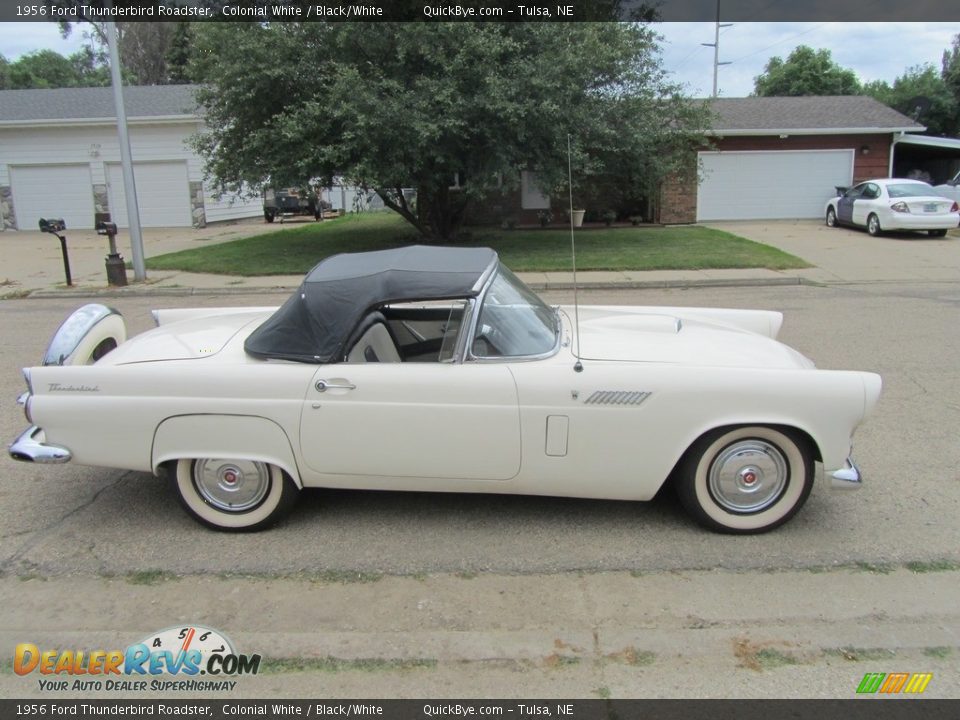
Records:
x=866, y=203
x=845, y=205
x=458, y=421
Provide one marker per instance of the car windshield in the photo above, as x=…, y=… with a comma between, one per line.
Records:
x=513, y=321
x=910, y=190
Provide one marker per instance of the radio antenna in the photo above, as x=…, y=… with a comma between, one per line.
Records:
x=577, y=366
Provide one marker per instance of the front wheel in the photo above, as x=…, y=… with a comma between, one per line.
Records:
x=831, y=217
x=873, y=225
x=745, y=480
x=233, y=495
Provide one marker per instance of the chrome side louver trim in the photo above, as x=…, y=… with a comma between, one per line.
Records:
x=616, y=397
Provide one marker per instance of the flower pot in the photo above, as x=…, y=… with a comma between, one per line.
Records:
x=578, y=217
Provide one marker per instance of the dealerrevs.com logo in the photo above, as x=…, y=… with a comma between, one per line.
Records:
x=894, y=683
x=170, y=660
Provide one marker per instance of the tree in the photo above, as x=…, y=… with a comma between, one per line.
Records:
x=144, y=48
x=43, y=69
x=178, y=54
x=922, y=94
x=90, y=71
x=418, y=104
x=951, y=78
x=4, y=73
x=805, y=72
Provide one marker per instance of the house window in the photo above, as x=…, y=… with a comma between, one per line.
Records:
x=531, y=196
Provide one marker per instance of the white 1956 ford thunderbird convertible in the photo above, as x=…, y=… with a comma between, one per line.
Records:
x=436, y=369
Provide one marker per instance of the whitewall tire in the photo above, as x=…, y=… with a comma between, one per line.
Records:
x=233, y=494
x=747, y=479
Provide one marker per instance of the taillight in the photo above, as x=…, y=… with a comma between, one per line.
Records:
x=900, y=207
x=955, y=207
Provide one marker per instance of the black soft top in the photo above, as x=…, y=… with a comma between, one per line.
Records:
x=314, y=324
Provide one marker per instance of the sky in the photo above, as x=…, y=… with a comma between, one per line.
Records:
x=875, y=51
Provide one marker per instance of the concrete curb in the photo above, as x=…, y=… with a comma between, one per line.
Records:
x=147, y=291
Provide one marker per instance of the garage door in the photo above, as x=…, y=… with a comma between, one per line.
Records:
x=767, y=185
x=52, y=191
x=163, y=194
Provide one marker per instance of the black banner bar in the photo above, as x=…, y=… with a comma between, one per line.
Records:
x=859, y=709
x=477, y=10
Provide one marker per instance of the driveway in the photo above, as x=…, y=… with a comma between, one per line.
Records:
x=847, y=255
x=32, y=260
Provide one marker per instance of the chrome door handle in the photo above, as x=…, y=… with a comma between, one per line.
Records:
x=323, y=386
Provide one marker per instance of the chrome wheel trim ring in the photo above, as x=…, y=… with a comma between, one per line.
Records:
x=748, y=476
x=233, y=486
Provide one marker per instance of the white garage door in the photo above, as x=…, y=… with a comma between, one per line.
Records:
x=770, y=184
x=163, y=194
x=52, y=191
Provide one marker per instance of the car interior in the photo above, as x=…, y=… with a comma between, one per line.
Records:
x=407, y=333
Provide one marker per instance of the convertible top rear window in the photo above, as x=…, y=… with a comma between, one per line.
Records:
x=315, y=323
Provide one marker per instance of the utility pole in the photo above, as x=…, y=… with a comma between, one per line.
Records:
x=126, y=161
x=716, y=47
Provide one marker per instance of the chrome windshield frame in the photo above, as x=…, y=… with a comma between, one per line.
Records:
x=476, y=308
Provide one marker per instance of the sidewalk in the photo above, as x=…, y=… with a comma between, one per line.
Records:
x=32, y=263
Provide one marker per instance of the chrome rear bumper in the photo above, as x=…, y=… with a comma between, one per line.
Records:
x=846, y=478
x=30, y=447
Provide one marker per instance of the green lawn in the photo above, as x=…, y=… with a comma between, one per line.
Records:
x=296, y=250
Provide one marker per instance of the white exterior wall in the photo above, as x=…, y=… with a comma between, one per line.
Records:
x=231, y=206
x=97, y=145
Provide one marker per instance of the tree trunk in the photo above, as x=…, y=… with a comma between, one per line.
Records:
x=439, y=213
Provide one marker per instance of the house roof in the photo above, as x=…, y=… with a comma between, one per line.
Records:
x=811, y=115
x=93, y=104
x=735, y=116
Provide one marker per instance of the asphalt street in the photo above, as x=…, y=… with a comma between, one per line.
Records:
x=70, y=519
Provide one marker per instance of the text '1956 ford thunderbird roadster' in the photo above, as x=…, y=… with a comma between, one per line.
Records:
x=436, y=369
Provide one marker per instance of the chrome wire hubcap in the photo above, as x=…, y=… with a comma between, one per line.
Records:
x=748, y=476
x=231, y=485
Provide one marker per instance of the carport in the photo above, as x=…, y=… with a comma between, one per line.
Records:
x=938, y=156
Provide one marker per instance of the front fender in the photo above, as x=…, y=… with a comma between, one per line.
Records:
x=243, y=437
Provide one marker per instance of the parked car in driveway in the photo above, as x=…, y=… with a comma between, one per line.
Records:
x=288, y=202
x=893, y=204
x=949, y=189
x=431, y=368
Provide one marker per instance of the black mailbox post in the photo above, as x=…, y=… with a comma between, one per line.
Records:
x=116, y=270
x=56, y=227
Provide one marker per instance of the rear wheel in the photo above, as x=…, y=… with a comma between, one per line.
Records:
x=937, y=233
x=873, y=225
x=745, y=480
x=268, y=216
x=831, y=218
x=233, y=494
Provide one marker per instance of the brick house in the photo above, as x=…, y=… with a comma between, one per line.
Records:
x=782, y=157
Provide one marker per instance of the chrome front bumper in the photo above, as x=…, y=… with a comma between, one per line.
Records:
x=846, y=478
x=30, y=447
